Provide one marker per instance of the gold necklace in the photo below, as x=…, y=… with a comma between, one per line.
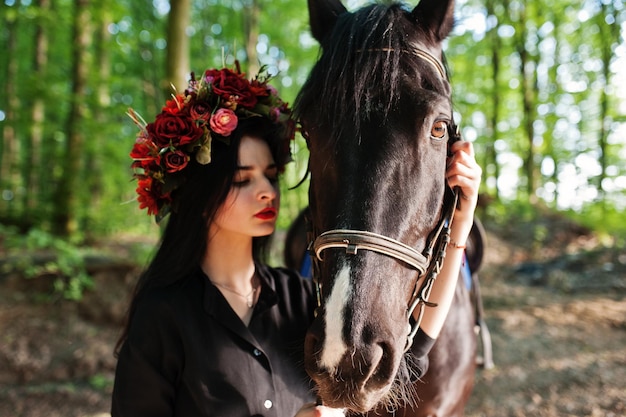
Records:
x=248, y=297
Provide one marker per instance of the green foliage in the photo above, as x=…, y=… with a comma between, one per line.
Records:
x=501, y=214
x=38, y=253
x=607, y=220
x=569, y=44
x=540, y=226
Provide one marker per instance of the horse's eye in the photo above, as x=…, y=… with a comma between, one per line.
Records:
x=439, y=129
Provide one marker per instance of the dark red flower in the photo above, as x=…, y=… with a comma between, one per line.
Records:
x=173, y=130
x=146, y=195
x=259, y=89
x=231, y=87
x=175, y=161
x=200, y=112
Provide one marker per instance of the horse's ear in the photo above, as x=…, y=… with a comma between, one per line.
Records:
x=323, y=16
x=435, y=15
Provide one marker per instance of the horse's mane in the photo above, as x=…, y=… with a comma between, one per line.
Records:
x=358, y=72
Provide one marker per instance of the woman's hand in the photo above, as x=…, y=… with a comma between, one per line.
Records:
x=463, y=172
x=313, y=410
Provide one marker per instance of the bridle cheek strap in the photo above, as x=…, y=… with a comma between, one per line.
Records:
x=421, y=295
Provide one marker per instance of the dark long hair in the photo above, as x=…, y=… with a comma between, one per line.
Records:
x=194, y=206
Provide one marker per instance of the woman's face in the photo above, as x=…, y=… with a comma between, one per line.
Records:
x=251, y=207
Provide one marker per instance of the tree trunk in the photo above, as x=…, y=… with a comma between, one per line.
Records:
x=33, y=155
x=9, y=162
x=65, y=219
x=552, y=117
x=609, y=36
x=251, y=36
x=491, y=156
x=95, y=171
x=177, y=61
x=528, y=72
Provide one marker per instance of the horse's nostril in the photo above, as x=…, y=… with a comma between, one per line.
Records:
x=385, y=369
x=379, y=354
x=372, y=366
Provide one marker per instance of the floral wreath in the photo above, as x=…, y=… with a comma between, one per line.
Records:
x=209, y=109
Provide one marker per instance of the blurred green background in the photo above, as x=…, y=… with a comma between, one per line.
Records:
x=539, y=87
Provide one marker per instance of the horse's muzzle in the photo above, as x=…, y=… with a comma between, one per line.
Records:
x=359, y=379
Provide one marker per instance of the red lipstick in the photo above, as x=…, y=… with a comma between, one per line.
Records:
x=268, y=213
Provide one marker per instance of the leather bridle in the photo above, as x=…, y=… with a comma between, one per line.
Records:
x=427, y=263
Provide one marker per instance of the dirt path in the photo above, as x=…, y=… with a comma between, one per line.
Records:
x=556, y=355
x=558, y=326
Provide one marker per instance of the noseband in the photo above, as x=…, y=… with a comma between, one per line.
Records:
x=429, y=262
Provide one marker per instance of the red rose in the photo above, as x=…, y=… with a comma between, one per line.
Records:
x=232, y=87
x=223, y=122
x=169, y=129
x=200, y=112
x=175, y=161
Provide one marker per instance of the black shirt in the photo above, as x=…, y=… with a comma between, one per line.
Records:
x=188, y=353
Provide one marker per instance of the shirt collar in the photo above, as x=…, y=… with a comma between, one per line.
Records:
x=214, y=302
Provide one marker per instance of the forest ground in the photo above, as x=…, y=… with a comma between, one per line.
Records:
x=556, y=312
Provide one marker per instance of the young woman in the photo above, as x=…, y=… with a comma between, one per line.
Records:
x=212, y=330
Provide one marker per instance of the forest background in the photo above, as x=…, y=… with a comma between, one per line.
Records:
x=538, y=86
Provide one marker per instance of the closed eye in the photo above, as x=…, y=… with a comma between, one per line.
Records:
x=241, y=183
x=245, y=173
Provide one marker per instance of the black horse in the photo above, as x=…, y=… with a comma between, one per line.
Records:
x=377, y=115
x=296, y=256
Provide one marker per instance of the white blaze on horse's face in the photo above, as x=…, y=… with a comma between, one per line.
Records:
x=334, y=346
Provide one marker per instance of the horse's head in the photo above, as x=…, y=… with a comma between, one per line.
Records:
x=376, y=111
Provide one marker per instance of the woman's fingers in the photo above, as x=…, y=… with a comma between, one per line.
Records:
x=464, y=172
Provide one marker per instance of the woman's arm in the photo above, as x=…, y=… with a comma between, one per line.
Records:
x=462, y=172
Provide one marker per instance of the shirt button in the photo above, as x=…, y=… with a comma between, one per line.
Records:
x=256, y=352
x=267, y=404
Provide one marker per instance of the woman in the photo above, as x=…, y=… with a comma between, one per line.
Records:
x=212, y=331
